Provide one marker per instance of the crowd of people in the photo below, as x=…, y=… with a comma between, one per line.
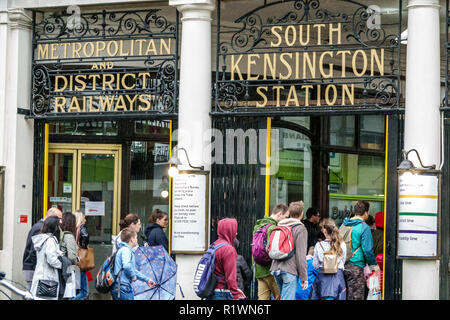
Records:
x=51, y=259
x=305, y=274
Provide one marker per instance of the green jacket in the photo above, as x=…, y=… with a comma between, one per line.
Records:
x=260, y=270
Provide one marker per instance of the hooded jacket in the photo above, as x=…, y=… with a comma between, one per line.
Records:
x=226, y=257
x=47, y=262
x=361, y=237
x=29, y=255
x=296, y=264
x=262, y=271
x=155, y=236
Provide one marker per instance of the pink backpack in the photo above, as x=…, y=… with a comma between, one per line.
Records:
x=281, y=243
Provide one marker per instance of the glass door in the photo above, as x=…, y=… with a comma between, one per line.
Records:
x=61, y=177
x=86, y=177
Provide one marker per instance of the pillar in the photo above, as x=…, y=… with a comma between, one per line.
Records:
x=16, y=135
x=194, y=122
x=422, y=126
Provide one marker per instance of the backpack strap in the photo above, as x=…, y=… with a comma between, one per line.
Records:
x=220, y=245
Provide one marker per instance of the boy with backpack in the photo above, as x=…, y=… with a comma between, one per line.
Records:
x=287, y=270
x=358, y=239
x=125, y=267
x=261, y=232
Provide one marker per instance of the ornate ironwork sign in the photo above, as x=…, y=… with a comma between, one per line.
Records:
x=104, y=64
x=307, y=56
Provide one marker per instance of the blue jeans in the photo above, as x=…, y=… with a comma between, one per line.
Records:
x=220, y=296
x=287, y=283
x=126, y=292
x=83, y=292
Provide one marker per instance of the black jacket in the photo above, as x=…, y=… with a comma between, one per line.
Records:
x=29, y=255
x=314, y=234
x=243, y=272
x=156, y=236
x=83, y=237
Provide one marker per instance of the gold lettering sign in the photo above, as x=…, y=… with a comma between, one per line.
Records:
x=104, y=49
x=302, y=55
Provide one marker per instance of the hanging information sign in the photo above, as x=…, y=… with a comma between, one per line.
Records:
x=418, y=215
x=190, y=196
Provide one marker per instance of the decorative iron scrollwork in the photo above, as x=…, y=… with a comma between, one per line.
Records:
x=271, y=46
x=106, y=63
x=61, y=25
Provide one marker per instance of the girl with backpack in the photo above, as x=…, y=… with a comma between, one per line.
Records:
x=329, y=259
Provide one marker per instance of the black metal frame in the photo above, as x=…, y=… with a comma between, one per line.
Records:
x=55, y=28
x=444, y=283
x=381, y=94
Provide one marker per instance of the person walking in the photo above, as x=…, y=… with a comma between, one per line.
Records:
x=362, y=252
x=226, y=263
x=329, y=286
x=312, y=226
x=154, y=232
x=286, y=272
x=267, y=285
x=82, y=238
x=244, y=274
x=69, y=248
x=132, y=221
x=125, y=271
x=47, y=260
x=29, y=254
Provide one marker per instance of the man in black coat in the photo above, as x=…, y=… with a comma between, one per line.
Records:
x=312, y=226
x=29, y=255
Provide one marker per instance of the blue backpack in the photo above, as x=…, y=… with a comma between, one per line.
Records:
x=205, y=280
x=105, y=276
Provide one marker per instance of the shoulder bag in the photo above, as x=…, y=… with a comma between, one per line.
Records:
x=86, y=257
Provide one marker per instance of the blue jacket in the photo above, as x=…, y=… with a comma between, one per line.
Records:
x=126, y=261
x=301, y=294
x=156, y=236
x=361, y=236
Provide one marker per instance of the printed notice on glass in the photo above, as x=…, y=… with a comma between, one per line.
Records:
x=418, y=210
x=189, y=201
x=95, y=208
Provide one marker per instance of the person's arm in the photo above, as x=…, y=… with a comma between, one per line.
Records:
x=52, y=253
x=129, y=267
x=72, y=248
x=84, y=237
x=230, y=270
x=162, y=239
x=318, y=256
x=300, y=253
x=246, y=272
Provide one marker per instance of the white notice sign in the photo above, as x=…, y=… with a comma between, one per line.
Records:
x=418, y=206
x=95, y=208
x=189, y=212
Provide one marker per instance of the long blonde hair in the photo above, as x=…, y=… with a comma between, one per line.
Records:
x=79, y=216
x=335, y=239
